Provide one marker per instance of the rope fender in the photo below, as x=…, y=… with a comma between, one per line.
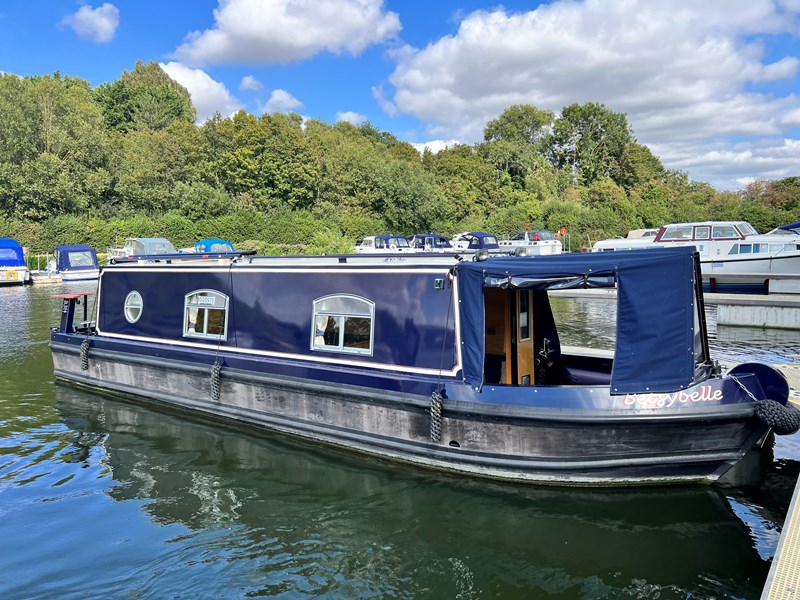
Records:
x=85, y=355
x=216, y=370
x=436, y=417
x=783, y=418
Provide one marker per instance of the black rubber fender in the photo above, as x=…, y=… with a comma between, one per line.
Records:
x=783, y=418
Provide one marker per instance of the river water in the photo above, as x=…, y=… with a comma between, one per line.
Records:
x=103, y=498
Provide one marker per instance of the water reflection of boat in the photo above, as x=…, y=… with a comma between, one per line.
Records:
x=307, y=522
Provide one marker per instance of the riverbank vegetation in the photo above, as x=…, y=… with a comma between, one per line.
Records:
x=96, y=165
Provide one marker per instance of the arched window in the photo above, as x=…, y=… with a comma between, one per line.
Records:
x=206, y=315
x=343, y=323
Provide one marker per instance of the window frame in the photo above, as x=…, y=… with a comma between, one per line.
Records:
x=341, y=317
x=129, y=304
x=204, y=333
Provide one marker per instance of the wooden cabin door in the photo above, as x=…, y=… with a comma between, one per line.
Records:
x=524, y=338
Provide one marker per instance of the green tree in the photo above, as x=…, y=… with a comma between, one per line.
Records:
x=520, y=123
x=145, y=98
x=590, y=140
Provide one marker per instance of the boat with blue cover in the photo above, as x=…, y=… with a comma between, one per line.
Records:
x=210, y=245
x=429, y=242
x=444, y=363
x=472, y=242
x=13, y=269
x=75, y=263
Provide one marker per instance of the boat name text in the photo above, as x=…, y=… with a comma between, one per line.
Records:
x=705, y=393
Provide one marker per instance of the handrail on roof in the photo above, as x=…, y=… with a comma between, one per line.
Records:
x=181, y=256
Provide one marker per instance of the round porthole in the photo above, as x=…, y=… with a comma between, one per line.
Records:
x=133, y=307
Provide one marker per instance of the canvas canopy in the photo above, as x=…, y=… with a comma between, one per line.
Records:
x=148, y=246
x=656, y=300
x=213, y=245
x=76, y=258
x=11, y=253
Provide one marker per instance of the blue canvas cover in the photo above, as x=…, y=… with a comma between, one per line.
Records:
x=655, y=308
x=481, y=240
x=76, y=258
x=213, y=245
x=431, y=239
x=11, y=253
x=795, y=227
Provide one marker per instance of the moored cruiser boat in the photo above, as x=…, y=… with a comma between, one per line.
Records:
x=447, y=364
x=382, y=244
x=534, y=242
x=732, y=253
x=75, y=263
x=430, y=242
x=472, y=242
x=13, y=270
x=141, y=247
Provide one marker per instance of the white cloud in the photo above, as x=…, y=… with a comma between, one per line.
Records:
x=435, y=145
x=250, y=83
x=386, y=105
x=281, y=101
x=688, y=75
x=97, y=24
x=351, y=117
x=208, y=95
x=281, y=31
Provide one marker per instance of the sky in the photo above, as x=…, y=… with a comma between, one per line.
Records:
x=710, y=86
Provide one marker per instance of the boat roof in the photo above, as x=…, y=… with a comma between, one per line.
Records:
x=9, y=243
x=76, y=257
x=75, y=248
x=209, y=243
x=655, y=346
x=11, y=254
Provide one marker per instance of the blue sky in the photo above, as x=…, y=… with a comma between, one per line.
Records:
x=711, y=87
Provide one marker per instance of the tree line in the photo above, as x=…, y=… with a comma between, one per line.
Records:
x=95, y=165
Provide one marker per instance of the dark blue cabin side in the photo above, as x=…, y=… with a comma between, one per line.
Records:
x=273, y=311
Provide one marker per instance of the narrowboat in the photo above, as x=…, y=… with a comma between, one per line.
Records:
x=13, y=270
x=455, y=365
x=75, y=263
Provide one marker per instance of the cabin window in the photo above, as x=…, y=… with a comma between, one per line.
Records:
x=524, y=317
x=724, y=232
x=343, y=323
x=133, y=307
x=702, y=233
x=683, y=232
x=205, y=315
x=745, y=249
